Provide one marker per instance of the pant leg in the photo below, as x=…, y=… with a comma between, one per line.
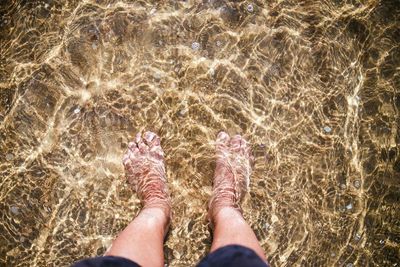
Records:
x=232, y=255
x=106, y=261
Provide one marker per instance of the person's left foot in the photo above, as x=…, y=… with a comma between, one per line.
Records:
x=145, y=171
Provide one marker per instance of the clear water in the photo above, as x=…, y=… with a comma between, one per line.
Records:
x=313, y=85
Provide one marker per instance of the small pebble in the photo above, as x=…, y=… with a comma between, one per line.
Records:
x=349, y=265
x=157, y=76
x=182, y=112
x=46, y=6
x=343, y=186
x=9, y=156
x=195, y=46
x=327, y=129
x=267, y=226
x=262, y=145
x=381, y=241
x=274, y=70
x=219, y=43
x=250, y=8
x=357, y=183
x=357, y=237
x=14, y=210
x=333, y=254
x=94, y=46
x=176, y=254
x=349, y=206
x=212, y=72
x=77, y=110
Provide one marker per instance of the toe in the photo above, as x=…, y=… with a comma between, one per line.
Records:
x=157, y=152
x=125, y=159
x=143, y=148
x=222, y=145
x=151, y=139
x=223, y=138
x=153, y=142
x=129, y=157
x=138, y=138
x=238, y=144
x=132, y=146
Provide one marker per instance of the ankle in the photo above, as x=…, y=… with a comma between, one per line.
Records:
x=159, y=201
x=157, y=215
x=226, y=213
x=222, y=199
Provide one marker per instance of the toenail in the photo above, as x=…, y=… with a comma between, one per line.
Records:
x=131, y=145
x=222, y=135
x=150, y=136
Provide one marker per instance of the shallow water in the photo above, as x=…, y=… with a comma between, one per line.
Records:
x=313, y=85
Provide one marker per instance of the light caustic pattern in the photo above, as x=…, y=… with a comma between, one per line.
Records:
x=312, y=85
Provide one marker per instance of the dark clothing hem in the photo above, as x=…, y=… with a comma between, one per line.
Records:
x=232, y=255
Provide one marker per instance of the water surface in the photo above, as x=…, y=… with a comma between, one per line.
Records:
x=313, y=85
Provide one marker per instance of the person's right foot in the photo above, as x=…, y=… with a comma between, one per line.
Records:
x=232, y=173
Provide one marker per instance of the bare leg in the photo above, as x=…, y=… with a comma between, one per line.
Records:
x=231, y=180
x=231, y=228
x=142, y=240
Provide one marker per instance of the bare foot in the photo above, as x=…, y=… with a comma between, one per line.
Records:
x=145, y=171
x=232, y=173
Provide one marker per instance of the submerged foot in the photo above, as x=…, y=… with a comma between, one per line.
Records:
x=145, y=171
x=232, y=173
